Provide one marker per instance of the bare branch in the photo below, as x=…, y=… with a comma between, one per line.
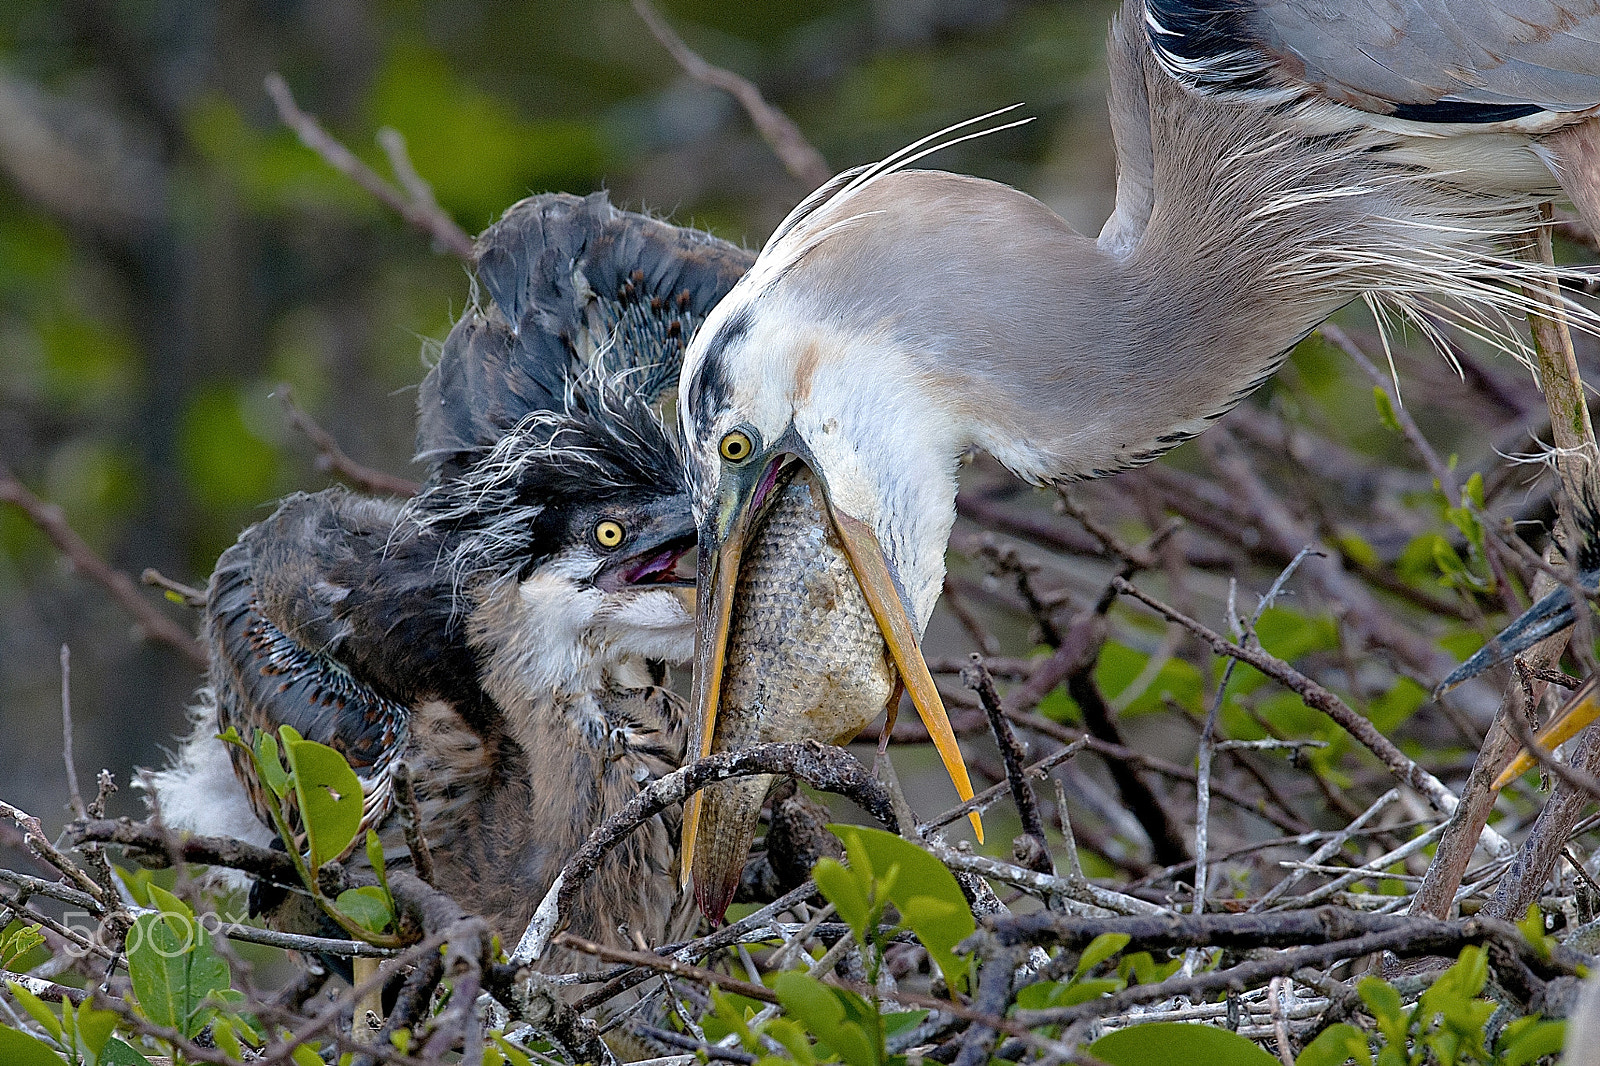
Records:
x=331, y=457
x=1404, y=768
x=1030, y=849
x=52, y=522
x=188, y=594
x=423, y=216
x=776, y=128
x=820, y=765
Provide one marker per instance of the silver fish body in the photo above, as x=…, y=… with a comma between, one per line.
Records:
x=806, y=661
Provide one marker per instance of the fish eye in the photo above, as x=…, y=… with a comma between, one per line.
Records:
x=736, y=446
x=608, y=533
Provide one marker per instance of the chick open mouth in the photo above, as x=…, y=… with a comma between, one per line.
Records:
x=671, y=564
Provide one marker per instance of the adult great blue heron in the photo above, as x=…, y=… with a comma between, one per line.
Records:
x=1275, y=161
x=505, y=632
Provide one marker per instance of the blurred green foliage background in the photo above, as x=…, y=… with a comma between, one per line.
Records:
x=169, y=253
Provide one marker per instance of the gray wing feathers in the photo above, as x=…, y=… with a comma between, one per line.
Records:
x=574, y=286
x=1373, y=54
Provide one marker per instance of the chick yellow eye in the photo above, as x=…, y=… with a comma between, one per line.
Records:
x=608, y=534
x=736, y=447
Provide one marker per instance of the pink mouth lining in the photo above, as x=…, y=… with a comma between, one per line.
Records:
x=663, y=562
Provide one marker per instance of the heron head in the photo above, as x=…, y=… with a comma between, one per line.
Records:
x=565, y=541
x=826, y=354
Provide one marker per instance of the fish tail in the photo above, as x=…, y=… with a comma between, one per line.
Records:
x=729, y=812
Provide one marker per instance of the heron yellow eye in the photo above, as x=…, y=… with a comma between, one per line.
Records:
x=736, y=447
x=608, y=534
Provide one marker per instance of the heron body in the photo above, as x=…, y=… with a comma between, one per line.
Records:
x=1266, y=178
x=506, y=632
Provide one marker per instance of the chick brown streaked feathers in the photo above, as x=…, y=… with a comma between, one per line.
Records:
x=484, y=631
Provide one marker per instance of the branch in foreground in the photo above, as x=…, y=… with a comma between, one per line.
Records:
x=1031, y=848
x=152, y=846
x=1411, y=938
x=1405, y=769
x=821, y=766
x=331, y=457
x=776, y=128
x=49, y=519
x=422, y=215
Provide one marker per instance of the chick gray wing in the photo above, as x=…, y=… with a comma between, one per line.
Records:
x=573, y=284
x=1424, y=60
x=318, y=620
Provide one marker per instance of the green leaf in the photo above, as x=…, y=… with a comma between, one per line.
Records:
x=94, y=1028
x=929, y=899
x=17, y=943
x=175, y=973
x=329, y=794
x=224, y=1037
x=1162, y=1043
x=1145, y=970
x=1335, y=1046
x=367, y=906
x=306, y=1055
x=1385, y=407
x=375, y=860
x=1532, y=1042
x=1384, y=1003
x=39, y=1010
x=794, y=1039
x=22, y=1049
x=118, y=1053
x=270, y=764
x=822, y=1011
x=1099, y=950
x=846, y=892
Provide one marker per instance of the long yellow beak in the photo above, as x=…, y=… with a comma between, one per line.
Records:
x=718, y=577
x=1581, y=708
x=872, y=571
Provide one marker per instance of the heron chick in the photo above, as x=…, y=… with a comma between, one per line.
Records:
x=899, y=317
x=506, y=632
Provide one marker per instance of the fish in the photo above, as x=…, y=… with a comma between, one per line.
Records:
x=812, y=665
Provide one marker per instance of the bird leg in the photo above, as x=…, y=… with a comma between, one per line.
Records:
x=368, y=1011
x=1577, y=152
x=1571, y=431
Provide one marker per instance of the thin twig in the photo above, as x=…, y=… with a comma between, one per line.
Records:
x=1031, y=849
x=52, y=522
x=776, y=128
x=820, y=765
x=1405, y=769
x=426, y=217
x=187, y=594
x=73, y=791
x=331, y=457
x=1208, y=732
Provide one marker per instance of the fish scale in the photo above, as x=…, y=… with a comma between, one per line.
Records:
x=797, y=598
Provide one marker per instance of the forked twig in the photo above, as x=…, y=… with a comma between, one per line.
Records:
x=776, y=128
x=424, y=215
x=52, y=522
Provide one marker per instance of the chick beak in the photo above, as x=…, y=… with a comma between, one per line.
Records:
x=1581, y=708
x=719, y=562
